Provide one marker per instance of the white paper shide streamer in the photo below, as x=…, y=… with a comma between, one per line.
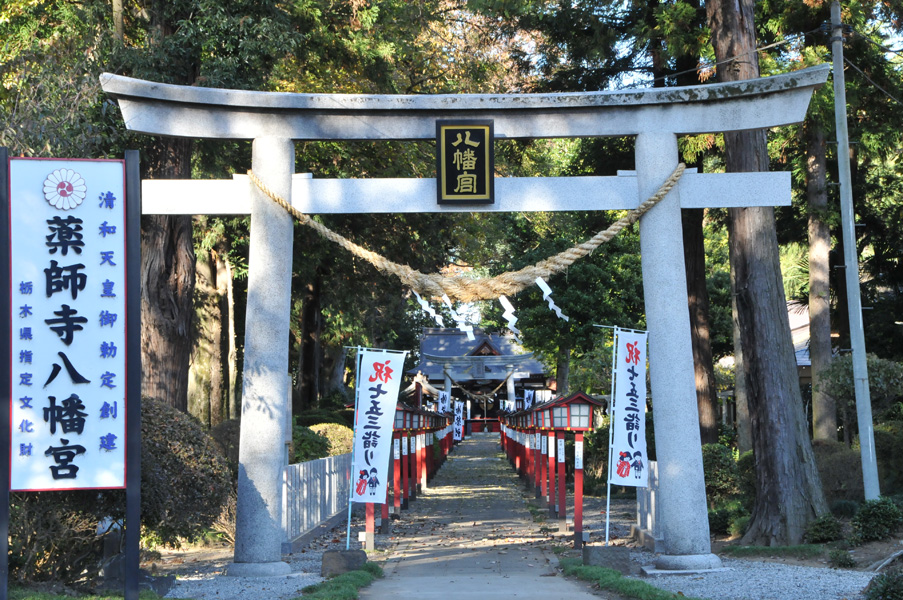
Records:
x=461, y=321
x=547, y=296
x=509, y=316
x=429, y=310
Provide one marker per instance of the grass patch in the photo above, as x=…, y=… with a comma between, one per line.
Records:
x=801, y=551
x=344, y=586
x=612, y=580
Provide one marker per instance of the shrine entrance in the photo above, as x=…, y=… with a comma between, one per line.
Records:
x=275, y=120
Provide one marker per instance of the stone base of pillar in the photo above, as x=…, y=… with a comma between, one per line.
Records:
x=580, y=538
x=266, y=569
x=369, y=541
x=386, y=526
x=688, y=562
x=562, y=525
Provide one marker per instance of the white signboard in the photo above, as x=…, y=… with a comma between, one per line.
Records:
x=459, y=421
x=545, y=445
x=68, y=372
x=578, y=454
x=397, y=448
x=379, y=376
x=561, y=450
x=628, y=421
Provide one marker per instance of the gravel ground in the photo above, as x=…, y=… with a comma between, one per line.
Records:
x=742, y=579
x=205, y=580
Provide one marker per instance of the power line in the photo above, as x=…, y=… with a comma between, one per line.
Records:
x=867, y=78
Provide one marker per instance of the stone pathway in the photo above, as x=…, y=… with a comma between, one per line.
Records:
x=471, y=534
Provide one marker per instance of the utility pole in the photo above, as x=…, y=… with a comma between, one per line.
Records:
x=851, y=260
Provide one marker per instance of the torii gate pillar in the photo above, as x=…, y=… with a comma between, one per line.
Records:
x=258, y=523
x=681, y=490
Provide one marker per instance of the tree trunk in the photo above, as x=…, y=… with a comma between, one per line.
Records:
x=698, y=295
x=167, y=284
x=233, y=399
x=744, y=429
x=563, y=366
x=308, y=385
x=788, y=488
x=205, y=376
x=824, y=411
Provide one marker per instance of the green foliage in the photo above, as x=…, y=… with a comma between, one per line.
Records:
x=825, y=528
x=889, y=451
x=885, y=381
x=184, y=477
x=876, y=520
x=841, y=559
x=885, y=586
x=316, y=417
x=184, y=483
x=340, y=437
x=739, y=525
x=840, y=470
x=612, y=580
x=308, y=445
x=346, y=585
x=721, y=476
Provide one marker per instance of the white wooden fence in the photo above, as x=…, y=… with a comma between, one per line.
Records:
x=312, y=492
x=647, y=529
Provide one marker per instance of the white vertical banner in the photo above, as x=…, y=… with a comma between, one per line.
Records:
x=397, y=447
x=529, y=395
x=561, y=450
x=67, y=380
x=545, y=444
x=444, y=398
x=628, y=418
x=377, y=396
x=551, y=447
x=459, y=421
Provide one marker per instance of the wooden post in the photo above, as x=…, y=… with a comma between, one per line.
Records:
x=537, y=464
x=562, y=491
x=550, y=491
x=405, y=468
x=396, y=472
x=384, y=514
x=578, y=490
x=543, y=468
x=370, y=528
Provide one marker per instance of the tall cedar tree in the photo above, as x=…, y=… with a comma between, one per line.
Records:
x=788, y=488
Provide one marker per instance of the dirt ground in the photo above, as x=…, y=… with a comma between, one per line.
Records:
x=867, y=557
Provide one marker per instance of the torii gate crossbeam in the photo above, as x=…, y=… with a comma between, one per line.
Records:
x=656, y=117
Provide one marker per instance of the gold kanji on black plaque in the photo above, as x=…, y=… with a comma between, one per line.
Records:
x=465, y=162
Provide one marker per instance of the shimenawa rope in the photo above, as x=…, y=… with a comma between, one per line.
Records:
x=465, y=289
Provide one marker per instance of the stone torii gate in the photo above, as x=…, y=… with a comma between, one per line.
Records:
x=274, y=120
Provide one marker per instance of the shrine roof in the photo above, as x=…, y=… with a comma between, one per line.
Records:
x=495, y=351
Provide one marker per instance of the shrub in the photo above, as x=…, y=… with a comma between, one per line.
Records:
x=876, y=520
x=721, y=477
x=315, y=417
x=184, y=477
x=184, y=482
x=719, y=521
x=886, y=586
x=840, y=470
x=308, y=445
x=340, y=437
x=841, y=559
x=739, y=525
x=825, y=528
